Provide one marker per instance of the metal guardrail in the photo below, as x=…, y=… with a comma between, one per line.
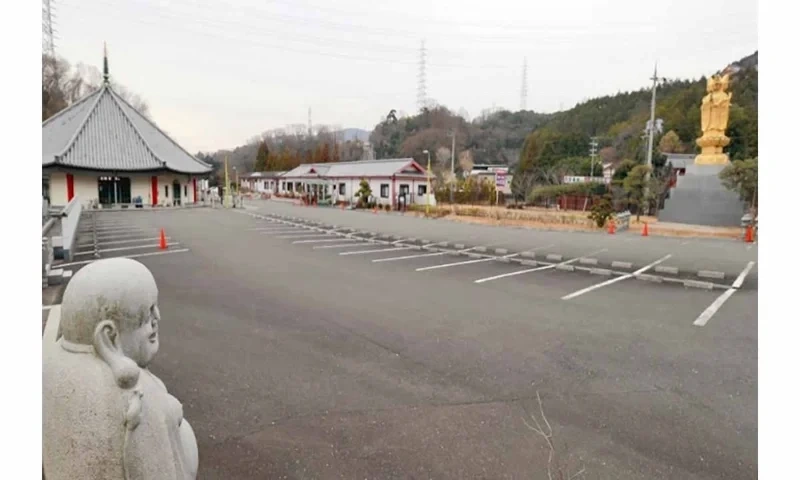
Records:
x=623, y=221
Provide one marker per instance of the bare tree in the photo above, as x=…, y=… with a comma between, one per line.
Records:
x=63, y=85
x=465, y=161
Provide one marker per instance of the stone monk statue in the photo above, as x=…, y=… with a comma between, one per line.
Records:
x=105, y=415
x=714, y=113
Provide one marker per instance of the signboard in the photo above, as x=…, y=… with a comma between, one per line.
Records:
x=577, y=179
x=500, y=178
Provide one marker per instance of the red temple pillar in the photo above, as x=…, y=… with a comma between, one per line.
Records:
x=154, y=189
x=70, y=187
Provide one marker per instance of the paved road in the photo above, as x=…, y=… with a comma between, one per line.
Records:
x=297, y=362
x=687, y=254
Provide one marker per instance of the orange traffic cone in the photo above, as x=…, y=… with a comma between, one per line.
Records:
x=748, y=234
x=612, y=227
x=162, y=241
x=645, y=231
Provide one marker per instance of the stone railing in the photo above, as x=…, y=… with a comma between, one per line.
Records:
x=47, y=260
x=70, y=217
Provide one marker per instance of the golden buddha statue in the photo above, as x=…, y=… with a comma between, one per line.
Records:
x=714, y=120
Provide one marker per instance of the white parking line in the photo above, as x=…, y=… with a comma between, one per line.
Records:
x=615, y=280
x=125, y=234
x=466, y=262
x=284, y=232
x=136, y=255
x=134, y=240
x=716, y=304
x=325, y=240
x=48, y=307
x=119, y=249
x=362, y=252
x=405, y=257
x=480, y=260
x=115, y=231
x=344, y=245
x=537, y=269
x=305, y=235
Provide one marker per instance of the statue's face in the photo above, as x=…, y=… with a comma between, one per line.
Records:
x=141, y=344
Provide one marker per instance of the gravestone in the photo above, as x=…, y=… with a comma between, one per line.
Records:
x=104, y=414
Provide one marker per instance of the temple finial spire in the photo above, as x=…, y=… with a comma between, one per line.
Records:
x=105, y=63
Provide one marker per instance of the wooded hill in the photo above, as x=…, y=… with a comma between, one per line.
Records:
x=528, y=140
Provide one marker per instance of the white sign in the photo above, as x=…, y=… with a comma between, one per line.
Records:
x=500, y=178
x=577, y=179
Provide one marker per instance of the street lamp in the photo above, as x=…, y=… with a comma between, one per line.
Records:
x=428, y=200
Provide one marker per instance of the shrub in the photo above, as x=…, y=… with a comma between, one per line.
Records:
x=602, y=211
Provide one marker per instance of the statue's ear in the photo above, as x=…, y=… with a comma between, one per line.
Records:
x=125, y=370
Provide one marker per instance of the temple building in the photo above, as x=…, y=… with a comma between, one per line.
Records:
x=104, y=152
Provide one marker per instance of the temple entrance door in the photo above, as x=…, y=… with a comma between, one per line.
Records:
x=176, y=193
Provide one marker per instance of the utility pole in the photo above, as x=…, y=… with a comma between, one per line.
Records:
x=652, y=126
x=452, y=165
x=225, y=200
x=650, y=134
x=428, y=192
x=592, y=157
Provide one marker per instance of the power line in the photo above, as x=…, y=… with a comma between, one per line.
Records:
x=383, y=32
x=181, y=23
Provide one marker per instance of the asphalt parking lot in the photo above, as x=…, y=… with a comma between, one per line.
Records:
x=303, y=353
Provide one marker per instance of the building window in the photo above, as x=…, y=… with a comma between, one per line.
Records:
x=185, y=190
x=422, y=190
x=384, y=190
x=265, y=185
x=166, y=191
x=341, y=189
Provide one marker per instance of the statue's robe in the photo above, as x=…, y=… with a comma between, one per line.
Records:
x=84, y=435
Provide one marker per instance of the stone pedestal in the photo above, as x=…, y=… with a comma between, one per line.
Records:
x=699, y=198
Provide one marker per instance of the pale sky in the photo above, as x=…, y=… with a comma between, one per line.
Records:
x=215, y=73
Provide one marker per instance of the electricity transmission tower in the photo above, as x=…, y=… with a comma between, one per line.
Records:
x=523, y=97
x=48, y=30
x=422, y=95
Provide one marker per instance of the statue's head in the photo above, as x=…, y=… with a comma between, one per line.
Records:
x=718, y=83
x=112, y=305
